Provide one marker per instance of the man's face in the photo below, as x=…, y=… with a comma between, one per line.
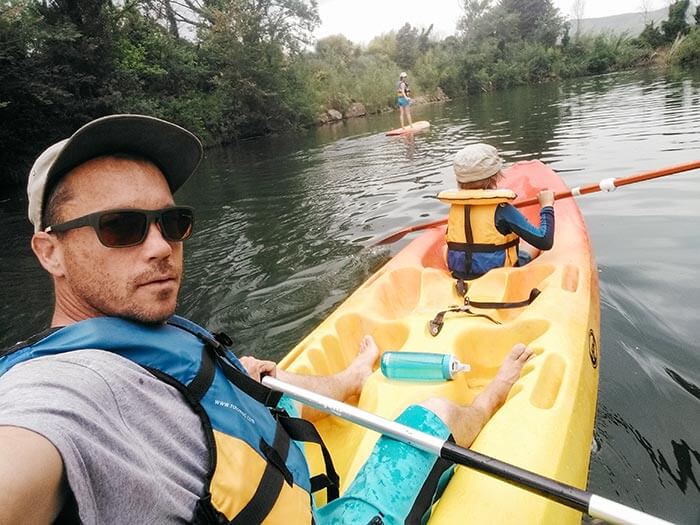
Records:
x=138, y=282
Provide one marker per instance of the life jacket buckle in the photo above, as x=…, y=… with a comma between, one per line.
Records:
x=278, y=412
x=223, y=338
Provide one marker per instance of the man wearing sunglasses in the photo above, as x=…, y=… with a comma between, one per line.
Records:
x=125, y=413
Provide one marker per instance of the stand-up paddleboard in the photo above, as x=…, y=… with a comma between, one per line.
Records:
x=417, y=126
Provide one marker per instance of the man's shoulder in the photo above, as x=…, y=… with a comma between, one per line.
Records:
x=83, y=366
x=78, y=385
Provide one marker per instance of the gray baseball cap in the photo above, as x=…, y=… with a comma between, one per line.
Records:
x=175, y=151
x=477, y=162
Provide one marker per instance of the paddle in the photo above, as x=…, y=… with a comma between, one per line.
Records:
x=605, y=184
x=580, y=500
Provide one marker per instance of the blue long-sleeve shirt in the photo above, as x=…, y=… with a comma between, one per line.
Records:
x=510, y=220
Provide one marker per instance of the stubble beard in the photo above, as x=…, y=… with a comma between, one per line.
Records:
x=117, y=299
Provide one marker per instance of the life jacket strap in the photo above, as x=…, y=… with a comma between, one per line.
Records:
x=295, y=428
x=218, y=343
x=206, y=514
x=302, y=430
x=199, y=386
x=270, y=486
x=436, y=324
x=428, y=493
x=481, y=248
x=250, y=386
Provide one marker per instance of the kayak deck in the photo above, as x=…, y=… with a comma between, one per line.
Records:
x=546, y=425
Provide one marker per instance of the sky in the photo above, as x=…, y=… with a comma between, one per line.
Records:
x=362, y=20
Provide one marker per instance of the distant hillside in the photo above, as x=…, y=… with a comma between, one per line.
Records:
x=630, y=23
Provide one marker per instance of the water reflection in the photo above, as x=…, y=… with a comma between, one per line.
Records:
x=520, y=122
x=681, y=462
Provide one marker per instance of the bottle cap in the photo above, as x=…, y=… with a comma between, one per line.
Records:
x=456, y=367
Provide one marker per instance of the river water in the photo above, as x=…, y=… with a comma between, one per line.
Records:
x=282, y=225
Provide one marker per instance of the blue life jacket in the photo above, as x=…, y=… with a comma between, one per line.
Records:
x=256, y=471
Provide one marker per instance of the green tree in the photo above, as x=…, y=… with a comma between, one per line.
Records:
x=537, y=20
x=687, y=54
x=651, y=36
x=337, y=48
x=287, y=23
x=56, y=63
x=383, y=45
x=473, y=13
x=676, y=23
x=410, y=44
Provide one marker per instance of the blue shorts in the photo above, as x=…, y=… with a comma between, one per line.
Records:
x=403, y=102
x=396, y=482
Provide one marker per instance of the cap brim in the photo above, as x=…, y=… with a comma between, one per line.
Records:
x=175, y=151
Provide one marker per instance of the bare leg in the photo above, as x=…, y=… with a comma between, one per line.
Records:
x=401, y=112
x=465, y=422
x=408, y=114
x=340, y=386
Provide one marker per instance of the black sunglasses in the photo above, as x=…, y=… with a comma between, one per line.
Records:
x=129, y=226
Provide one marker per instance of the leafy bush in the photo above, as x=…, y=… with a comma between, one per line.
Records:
x=651, y=36
x=687, y=52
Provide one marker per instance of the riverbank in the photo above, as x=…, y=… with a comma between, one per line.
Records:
x=244, y=76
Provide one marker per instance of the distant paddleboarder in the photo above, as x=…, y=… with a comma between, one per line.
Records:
x=403, y=93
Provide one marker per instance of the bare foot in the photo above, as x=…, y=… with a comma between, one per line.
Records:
x=496, y=392
x=363, y=365
x=510, y=370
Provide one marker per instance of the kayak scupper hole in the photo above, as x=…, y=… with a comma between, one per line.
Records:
x=569, y=280
x=548, y=385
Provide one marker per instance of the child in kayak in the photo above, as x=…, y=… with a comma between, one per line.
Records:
x=484, y=229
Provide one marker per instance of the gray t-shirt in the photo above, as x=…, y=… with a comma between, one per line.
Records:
x=133, y=450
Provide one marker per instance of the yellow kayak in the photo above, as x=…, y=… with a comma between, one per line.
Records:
x=546, y=425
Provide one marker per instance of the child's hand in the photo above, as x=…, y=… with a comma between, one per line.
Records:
x=546, y=198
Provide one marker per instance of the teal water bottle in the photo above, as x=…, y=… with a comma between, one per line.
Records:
x=421, y=366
